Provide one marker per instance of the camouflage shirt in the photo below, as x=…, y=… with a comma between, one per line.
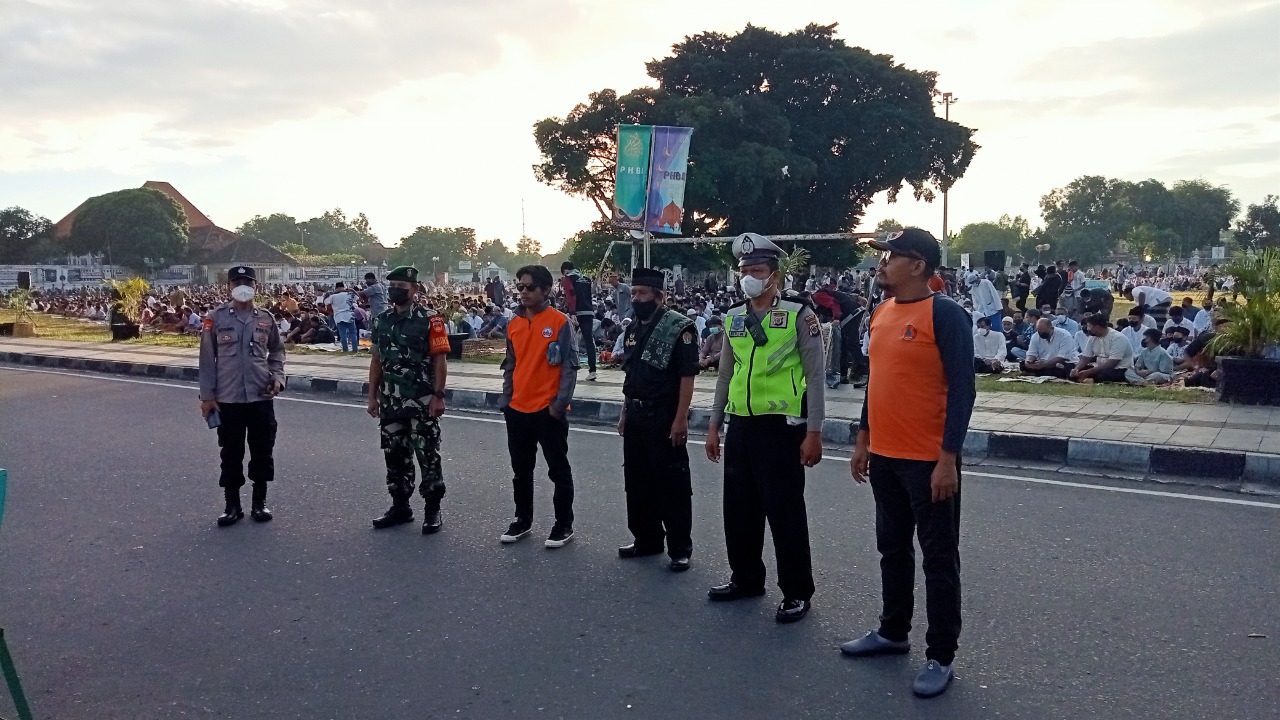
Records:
x=405, y=343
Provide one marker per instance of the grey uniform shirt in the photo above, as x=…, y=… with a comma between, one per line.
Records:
x=376, y=294
x=812, y=357
x=240, y=355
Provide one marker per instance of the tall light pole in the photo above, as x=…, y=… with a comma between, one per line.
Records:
x=947, y=100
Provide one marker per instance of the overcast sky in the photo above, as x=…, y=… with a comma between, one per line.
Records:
x=420, y=112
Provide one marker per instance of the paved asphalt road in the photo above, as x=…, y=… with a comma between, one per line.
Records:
x=121, y=599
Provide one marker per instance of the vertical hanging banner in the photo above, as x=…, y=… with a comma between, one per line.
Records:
x=668, y=170
x=631, y=180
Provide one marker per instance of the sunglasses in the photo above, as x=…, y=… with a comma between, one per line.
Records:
x=521, y=287
x=888, y=255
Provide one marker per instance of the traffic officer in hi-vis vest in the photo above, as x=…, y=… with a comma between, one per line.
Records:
x=770, y=385
x=661, y=363
x=241, y=371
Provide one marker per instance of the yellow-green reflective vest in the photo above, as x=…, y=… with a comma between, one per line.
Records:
x=767, y=379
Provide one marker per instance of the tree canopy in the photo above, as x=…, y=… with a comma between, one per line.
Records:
x=24, y=236
x=276, y=229
x=793, y=134
x=1094, y=216
x=448, y=244
x=1012, y=235
x=1260, y=227
x=138, y=228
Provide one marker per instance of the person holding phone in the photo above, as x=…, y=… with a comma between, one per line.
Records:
x=241, y=372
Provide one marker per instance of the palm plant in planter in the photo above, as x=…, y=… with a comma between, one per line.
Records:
x=1247, y=346
x=126, y=311
x=20, y=303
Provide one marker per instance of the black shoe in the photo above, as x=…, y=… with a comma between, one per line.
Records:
x=518, y=530
x=232, y=513
x=560, y=536
x=790, y=610
x=873, y=643
x=260, y=513
x=398, y=514
x=634, y=551
x=679, y=564
x=733, y=591
x=861, y=383
x=431, y=523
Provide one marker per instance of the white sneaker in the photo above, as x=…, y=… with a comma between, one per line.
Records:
x=591, y=376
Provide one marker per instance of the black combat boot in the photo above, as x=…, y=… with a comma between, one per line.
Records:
x=260, y=512
x=233, y=511
x=431, y=521
x=398, y=514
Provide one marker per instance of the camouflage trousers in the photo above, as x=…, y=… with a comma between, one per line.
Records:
x=402, y=440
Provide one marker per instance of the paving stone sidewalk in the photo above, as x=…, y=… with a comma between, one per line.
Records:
x=1149, y=438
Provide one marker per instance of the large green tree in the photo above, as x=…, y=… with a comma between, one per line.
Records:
x=1201, y=211
x=496, y=252
x=138, y=228
x=1012, y=235
x=276, y=229
x=1261, y=224
x=333, y=232
x=24, y=236
x=793, y=134
x=448, y=244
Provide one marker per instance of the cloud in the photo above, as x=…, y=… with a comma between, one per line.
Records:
x=207, y=66
x=1231, y=60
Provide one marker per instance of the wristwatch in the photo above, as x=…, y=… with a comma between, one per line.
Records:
x=439, y=394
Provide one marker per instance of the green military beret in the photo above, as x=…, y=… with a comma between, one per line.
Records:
x=407, y=273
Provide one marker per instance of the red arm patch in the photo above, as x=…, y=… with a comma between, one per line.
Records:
x=439, y=336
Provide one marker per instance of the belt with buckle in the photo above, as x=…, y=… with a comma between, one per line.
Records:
x=637, y=403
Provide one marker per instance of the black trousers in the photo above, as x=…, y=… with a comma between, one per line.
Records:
x=525, y=432
x=1115, y=375
x=904, y=506
x=851, y=360
x=657, y=480
x=763, y=479
x=1058, y=371
x=255, y=421
x=587, y=324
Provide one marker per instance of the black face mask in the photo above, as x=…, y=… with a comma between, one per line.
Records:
x=644, y=309
x=399, y=295
x=1046, y=336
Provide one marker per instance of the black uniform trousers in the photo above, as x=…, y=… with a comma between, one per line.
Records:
x=255, y=421
x=763, y=479
x=904, y=506
x=657, y=480
x=587, y=324
x=525, y=432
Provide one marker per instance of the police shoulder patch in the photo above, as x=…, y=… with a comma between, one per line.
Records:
x=814, y=329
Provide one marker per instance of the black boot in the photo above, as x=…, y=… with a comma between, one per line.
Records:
x=398, y=514
x=233, y=512
x=431, y=521
x=260, y=511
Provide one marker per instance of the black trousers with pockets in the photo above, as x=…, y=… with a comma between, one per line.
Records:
x=525, y=432
x=905, y=507
x=764, y=480
x=255, y=421
x=657, y=480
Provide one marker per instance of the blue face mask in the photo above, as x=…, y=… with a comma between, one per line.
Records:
x=715, y=330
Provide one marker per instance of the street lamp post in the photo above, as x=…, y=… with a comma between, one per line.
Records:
x=434, y=260
x=947, y=100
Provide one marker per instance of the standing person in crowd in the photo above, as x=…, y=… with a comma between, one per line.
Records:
x=374, y=293
x=407, y=374
x=661, y=362
x=1072, y=284
x=712, y=345
x=241, y=372
x=986, y=299
x=578, y=303
x=1050, y=288
x=344, y=315
x=914, y=420
x=621, y=296
x=1106, y=357
x=771, y=383
x=1154, y=301
x=1021, y=287
x=539, y=373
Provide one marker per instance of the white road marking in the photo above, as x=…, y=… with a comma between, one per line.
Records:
x=595, y=431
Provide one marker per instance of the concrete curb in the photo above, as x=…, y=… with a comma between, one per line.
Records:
x=1245, y=472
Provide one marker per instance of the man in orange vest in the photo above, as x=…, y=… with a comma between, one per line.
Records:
x=538, y=377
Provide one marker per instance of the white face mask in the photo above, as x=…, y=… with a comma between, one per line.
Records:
x=752, y=287
x=985, y=331
x=242, y=293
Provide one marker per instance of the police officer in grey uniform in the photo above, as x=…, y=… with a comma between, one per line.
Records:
x=241, y=371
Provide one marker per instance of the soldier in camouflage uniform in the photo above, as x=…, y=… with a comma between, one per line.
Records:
x=406, y=394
